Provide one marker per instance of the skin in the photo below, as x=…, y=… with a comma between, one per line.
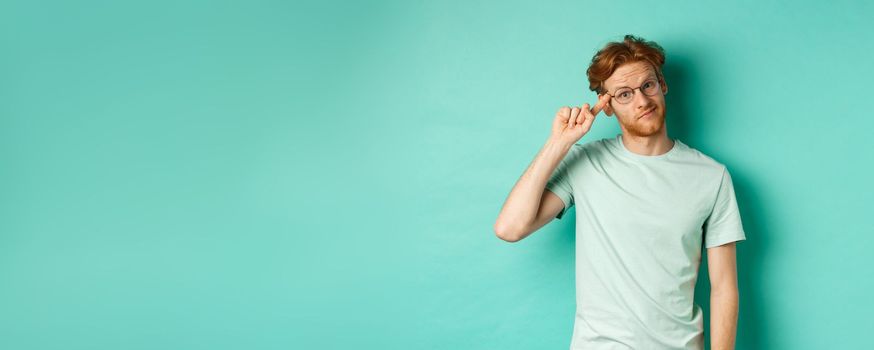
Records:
x=529, y=206
x=724, y=299
x=646, y=136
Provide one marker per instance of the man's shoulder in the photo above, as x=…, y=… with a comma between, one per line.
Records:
x=693, y=155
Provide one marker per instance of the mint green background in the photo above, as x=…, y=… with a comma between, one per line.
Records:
x=314, y=175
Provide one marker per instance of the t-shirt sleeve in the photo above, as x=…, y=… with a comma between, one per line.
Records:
x=724, y=224
x=560, y=184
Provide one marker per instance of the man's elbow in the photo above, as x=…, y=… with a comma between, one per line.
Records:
x=506, y=233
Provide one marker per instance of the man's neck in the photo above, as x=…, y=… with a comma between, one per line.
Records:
x=648, y=145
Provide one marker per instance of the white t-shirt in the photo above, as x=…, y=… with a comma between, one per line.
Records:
x=641, y=224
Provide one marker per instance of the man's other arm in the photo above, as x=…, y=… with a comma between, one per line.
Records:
x=724, y=300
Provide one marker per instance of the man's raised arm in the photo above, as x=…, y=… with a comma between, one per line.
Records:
x=529, y=207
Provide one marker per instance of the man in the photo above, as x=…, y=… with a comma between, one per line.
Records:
x=645, y=205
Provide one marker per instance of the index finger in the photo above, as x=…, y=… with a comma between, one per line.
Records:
x=602, y=101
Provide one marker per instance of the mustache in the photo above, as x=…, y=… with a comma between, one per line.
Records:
x=647, y=110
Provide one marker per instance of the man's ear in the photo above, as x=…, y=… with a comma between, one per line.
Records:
x=664, y=87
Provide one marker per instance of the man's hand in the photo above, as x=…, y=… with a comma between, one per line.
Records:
x=571, y=124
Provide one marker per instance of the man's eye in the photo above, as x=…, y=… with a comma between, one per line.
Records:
x=625, y=94
x=647, y=85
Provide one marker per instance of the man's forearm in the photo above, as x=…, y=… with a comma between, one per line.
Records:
x=522, y=204
x=723, y=318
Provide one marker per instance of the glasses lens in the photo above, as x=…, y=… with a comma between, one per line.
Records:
x=650, y=87
x=624, y=95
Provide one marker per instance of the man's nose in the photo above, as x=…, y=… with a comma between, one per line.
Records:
x=642, y=101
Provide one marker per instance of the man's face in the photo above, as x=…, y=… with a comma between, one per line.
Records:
x=630, y=115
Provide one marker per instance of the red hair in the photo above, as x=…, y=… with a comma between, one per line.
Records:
x=614, y=54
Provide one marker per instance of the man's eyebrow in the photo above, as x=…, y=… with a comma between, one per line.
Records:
x=647, y=78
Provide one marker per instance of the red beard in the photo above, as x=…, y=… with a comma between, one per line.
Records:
x=645, y=127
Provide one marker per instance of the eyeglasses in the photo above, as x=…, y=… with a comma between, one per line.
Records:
x=624, y=95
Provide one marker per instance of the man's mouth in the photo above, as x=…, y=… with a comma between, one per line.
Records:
x=647, y=114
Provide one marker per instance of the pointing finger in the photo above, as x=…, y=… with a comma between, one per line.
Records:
x=602, y=101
